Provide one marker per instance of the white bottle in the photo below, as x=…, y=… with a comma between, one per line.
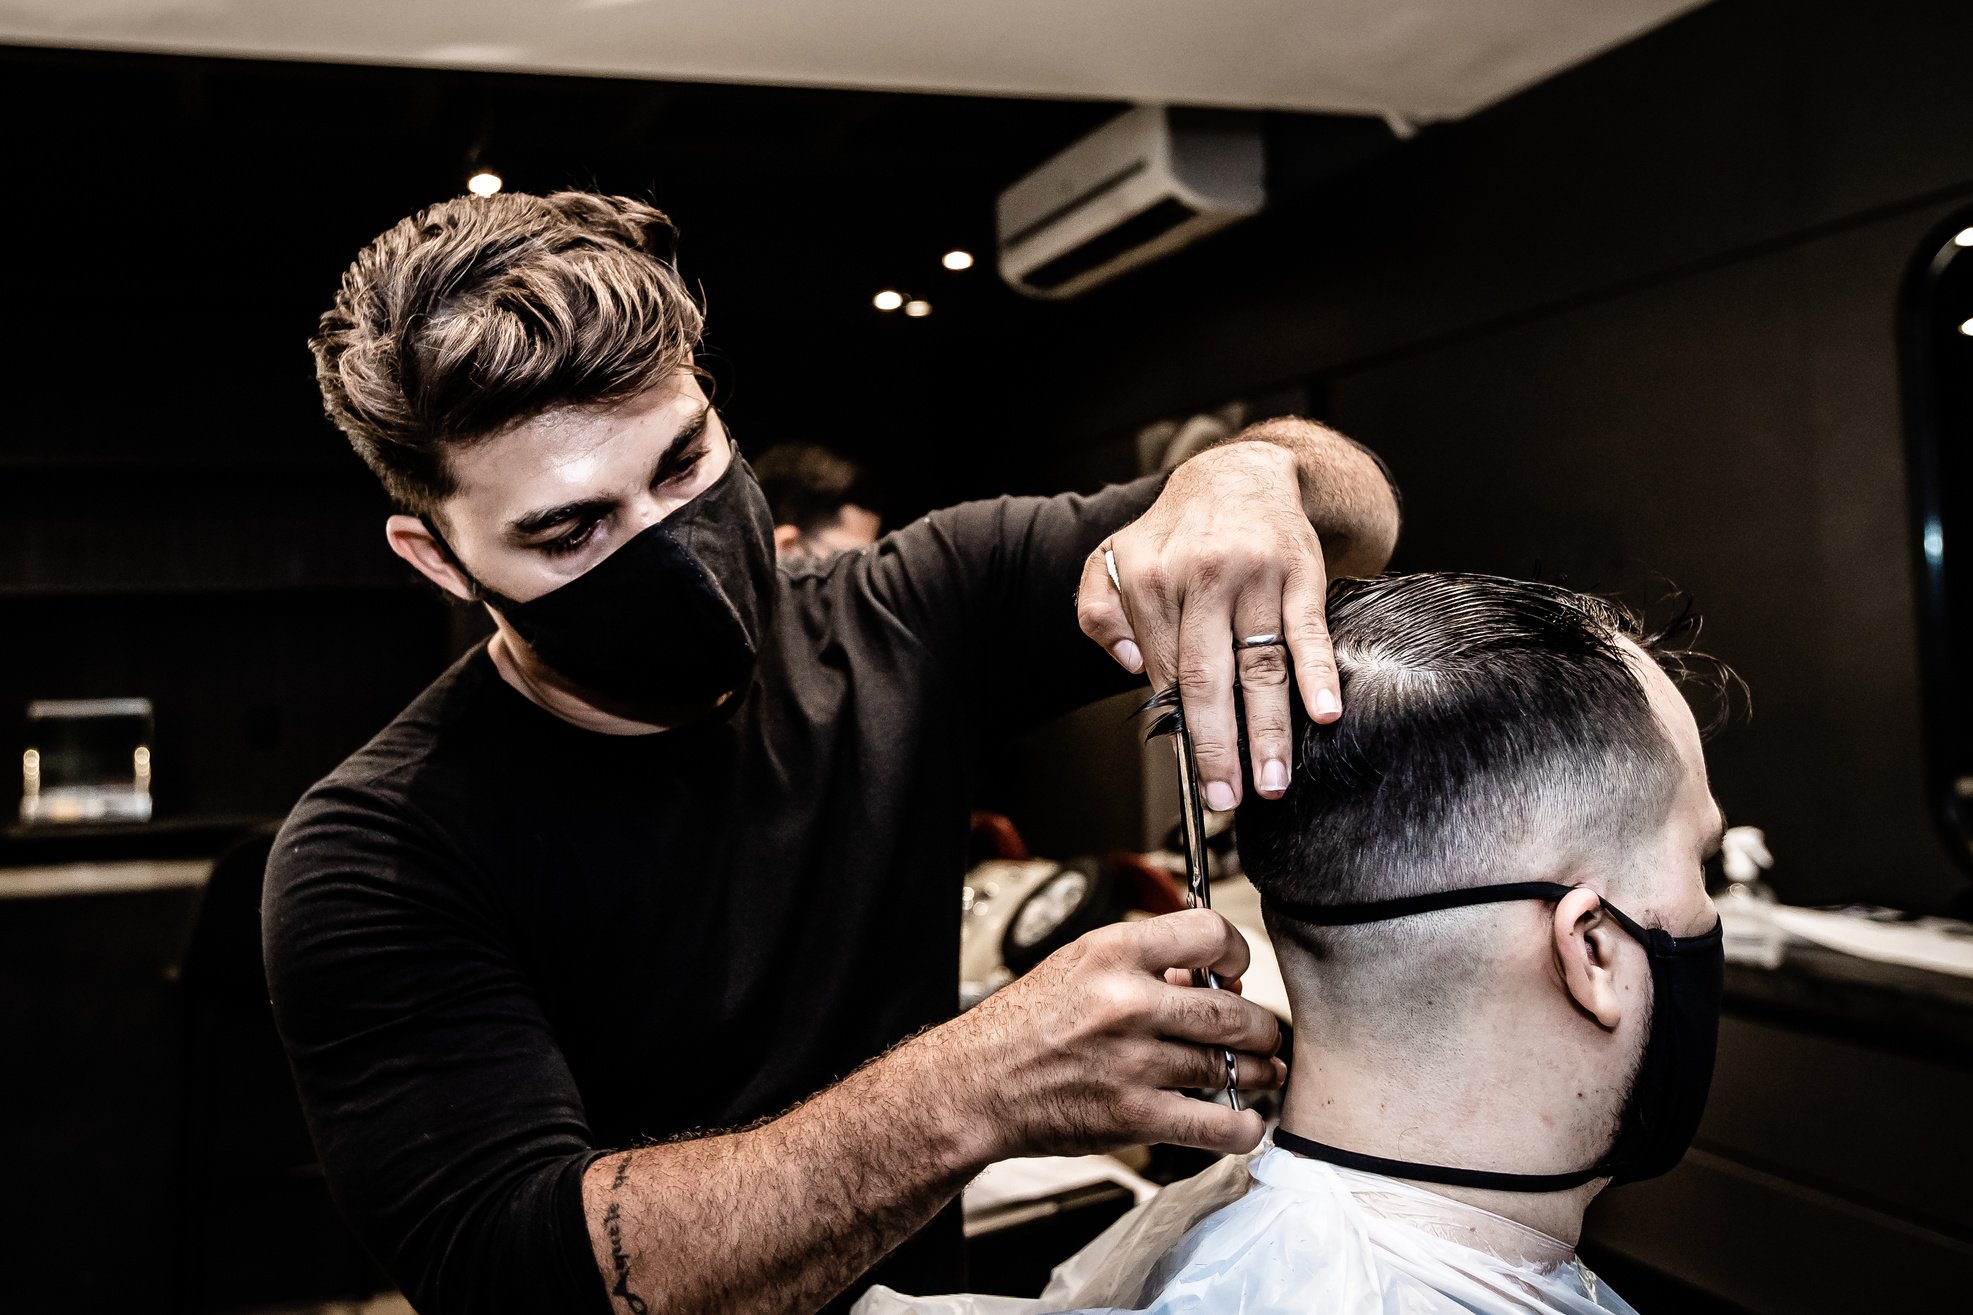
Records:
x=1746, y=906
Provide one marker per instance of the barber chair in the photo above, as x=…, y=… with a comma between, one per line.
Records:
x=255, y=1222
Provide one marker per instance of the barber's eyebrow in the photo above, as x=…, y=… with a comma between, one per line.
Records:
x=534, y=522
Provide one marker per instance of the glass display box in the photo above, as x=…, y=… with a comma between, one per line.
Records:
x=87, y=760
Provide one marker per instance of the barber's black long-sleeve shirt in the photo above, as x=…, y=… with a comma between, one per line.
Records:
x=499, y=945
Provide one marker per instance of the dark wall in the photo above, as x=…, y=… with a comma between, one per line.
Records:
x=1635, y=322
x=1634, y=325
x=254, y=604
x=177, y=519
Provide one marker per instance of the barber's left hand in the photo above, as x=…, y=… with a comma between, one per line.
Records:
x=1226, y=552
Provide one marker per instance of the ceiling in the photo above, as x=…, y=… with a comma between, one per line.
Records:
x=1419, y=60
x=215, y=202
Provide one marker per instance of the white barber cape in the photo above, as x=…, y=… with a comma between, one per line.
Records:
x=1272, y=1233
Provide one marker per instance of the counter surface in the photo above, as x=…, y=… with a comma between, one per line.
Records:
x=61, y=879
x=1912, y=1010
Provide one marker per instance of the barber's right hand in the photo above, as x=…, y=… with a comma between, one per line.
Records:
x=1093, y=1048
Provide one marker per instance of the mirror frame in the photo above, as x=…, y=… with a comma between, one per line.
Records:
x=1936, y=364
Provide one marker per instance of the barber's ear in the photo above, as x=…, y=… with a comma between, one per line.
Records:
x=410, y=540
x=1586, y=943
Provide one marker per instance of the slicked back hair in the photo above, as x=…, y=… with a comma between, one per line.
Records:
x=1493, y=730
x=483, y=312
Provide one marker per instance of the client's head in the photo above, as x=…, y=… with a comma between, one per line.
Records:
x=1494, y=731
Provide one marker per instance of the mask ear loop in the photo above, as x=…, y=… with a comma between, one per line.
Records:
x=1451, y=1176
x=1658, y=941
x=472, y=582
x=1350, y=915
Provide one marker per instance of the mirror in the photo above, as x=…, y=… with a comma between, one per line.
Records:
x=1937, y=345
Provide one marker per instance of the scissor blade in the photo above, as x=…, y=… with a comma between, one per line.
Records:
x=1198, y=891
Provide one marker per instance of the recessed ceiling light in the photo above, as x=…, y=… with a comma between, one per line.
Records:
x=887, y=300
x=964, y=259
x=484, y=183
x=918, y=310
x=1963, y=238
x=1966, y=328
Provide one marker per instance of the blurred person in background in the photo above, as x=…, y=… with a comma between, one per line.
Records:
x=821, y=501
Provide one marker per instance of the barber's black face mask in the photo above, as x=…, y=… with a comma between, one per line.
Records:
x=673, y=618
x=1661, y=1114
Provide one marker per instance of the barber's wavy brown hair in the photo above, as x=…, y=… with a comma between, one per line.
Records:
x=482, y=312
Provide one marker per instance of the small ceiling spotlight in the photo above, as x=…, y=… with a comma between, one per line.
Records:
x=1963, y=238
x=483, y=183
x=917, y=310
x=887, y=300
x=1966, y=328
x=956, y=260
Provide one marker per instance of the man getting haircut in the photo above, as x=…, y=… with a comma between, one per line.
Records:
x=1486, y=890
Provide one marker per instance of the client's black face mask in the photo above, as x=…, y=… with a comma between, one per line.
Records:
x=673, y=618
x=1661, y=1114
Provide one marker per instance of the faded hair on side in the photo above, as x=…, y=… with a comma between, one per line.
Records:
x=1494, y=730
x=479, y=313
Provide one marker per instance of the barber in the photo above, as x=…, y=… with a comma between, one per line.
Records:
x=616, y=971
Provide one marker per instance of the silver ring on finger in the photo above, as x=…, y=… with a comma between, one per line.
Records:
x=1269, y=640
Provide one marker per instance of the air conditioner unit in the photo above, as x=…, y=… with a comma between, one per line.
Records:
x=1143, y=185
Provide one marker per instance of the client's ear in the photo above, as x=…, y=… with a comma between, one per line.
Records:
x=1586, y=942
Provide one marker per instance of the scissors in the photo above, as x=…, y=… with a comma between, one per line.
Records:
x=1192, y=827
x=1192, y=812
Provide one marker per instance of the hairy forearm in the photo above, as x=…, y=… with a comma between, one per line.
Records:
x=1089, y=1050
x=783, y=1216
x=1346, y=491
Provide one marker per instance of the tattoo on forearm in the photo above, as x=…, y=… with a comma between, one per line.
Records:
x=619, y=1259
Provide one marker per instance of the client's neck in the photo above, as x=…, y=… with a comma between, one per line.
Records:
x=1494, y=1116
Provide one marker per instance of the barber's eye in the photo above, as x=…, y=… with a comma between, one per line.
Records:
x=684, y=466
x=571, y=541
